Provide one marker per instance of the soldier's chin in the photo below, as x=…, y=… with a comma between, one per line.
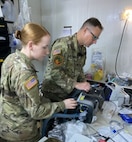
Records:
x=41, y=59
x=86, y=45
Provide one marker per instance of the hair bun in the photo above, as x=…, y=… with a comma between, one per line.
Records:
x=18, y=34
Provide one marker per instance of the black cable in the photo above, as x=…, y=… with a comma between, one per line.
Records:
x=106, y=138
x=119, y=50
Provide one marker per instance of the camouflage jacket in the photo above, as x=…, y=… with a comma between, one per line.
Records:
x=20, y=100
x=64, y=68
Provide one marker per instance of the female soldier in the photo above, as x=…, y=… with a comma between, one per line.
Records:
x=21, y=103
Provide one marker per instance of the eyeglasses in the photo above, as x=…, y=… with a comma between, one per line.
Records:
x=94, y=37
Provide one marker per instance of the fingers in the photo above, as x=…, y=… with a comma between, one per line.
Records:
x=70, y=103
x=73, y=104
x=73, y=101
x=87, y=89
x=84, y=86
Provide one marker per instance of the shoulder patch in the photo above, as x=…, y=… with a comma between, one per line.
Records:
x=31, y=82
x=57, y=51
x=58, y=60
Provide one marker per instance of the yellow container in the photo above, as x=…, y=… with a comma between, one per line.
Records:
x=98, y=75
x=1, y=60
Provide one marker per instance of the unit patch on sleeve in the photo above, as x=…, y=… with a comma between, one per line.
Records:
x=31, y=82
x=58, y=60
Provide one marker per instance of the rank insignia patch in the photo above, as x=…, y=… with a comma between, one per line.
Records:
x=31, y=82
x=58, y=60
x=57, y=51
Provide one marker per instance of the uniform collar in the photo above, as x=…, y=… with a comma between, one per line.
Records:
x=23, y=57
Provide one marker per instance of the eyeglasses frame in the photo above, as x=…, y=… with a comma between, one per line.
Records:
x=94, y=37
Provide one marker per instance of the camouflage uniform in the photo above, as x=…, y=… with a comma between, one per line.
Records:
x=64, y=68
x=20, y=100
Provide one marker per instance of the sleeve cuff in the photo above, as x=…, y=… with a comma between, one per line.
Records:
x=61, y=105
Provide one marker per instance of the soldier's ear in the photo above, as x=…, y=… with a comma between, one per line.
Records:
x=85, y=30
x=30, y=45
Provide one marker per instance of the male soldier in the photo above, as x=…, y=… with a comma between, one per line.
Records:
x=64, y=70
